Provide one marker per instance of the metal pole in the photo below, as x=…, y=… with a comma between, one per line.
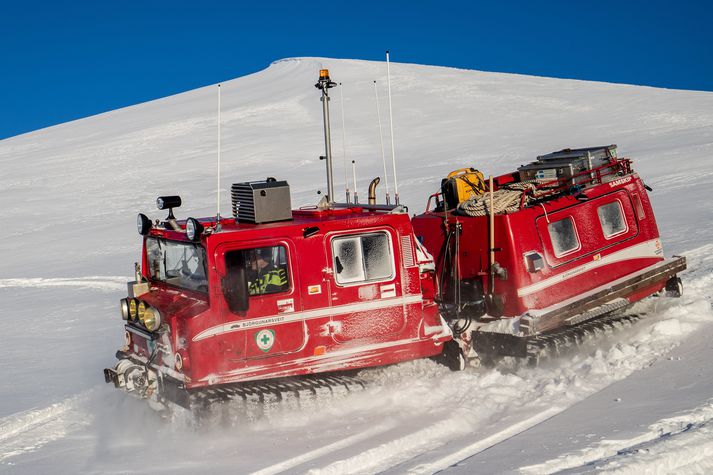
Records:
x=217, y=216
x=344, y=143
x=381, y=141
x=391, y=121
x=324, y=84
x=491, y=280
x=356, y=195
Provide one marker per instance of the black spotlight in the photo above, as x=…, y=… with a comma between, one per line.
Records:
x=143, y=223
x=168, y=202
x=194, y=229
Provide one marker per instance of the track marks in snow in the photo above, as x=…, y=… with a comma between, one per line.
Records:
x=676, y=444
x=390, y=455
x=325, y=450
x=29, y=430
x=100, y=283
x=397, y=450
x=483, y=444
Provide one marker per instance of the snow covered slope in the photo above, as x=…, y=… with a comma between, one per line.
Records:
x=70, y=194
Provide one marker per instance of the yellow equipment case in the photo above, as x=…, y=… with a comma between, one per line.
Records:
x=461, y=185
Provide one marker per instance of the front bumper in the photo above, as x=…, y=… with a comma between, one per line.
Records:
x=142, y=381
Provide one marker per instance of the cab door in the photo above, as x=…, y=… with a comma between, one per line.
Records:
x=366, y=293
x=270, y=325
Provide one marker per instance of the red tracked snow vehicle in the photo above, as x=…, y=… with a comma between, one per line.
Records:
x=548, y=254
x=243, y=306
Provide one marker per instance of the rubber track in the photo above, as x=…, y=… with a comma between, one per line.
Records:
x=560, y=342
x=277, y=389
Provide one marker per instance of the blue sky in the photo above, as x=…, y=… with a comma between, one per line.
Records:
x=66, y=60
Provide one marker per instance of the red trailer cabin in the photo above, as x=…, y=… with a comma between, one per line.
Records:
x=573, y=239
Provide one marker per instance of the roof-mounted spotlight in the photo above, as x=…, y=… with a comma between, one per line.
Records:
x=168, y=202
x=143, y=223
x=194, y=229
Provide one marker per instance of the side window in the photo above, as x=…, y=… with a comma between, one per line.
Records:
x=266, y=268
x=612, y=219
x=639, y=207
x=362, y=258
x=563, y=236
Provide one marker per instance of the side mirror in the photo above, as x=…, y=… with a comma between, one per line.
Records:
x=235, y=283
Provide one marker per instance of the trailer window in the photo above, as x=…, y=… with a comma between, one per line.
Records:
x=177, y=263
x=563, y=236
x=612, y=219
x=362, y=258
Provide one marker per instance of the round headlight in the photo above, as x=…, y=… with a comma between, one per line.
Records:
x=194, y=229
x=143, y=223
x=152, y=319
x=124, y=303
x=142, y=311
x=133, y=309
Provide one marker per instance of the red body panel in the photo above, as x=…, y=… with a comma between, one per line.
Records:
x=318, y=324
x=596, y=260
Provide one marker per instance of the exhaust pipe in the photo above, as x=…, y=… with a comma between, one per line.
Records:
x=372, y=190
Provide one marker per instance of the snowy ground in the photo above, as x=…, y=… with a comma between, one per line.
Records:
x=639, y=401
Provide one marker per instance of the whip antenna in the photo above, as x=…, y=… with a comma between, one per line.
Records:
x=344, y=142
x=217, y=215
x=381, y=140
x=356, y=196
x=391, y=121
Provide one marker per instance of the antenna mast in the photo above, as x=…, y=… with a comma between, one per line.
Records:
x=381, y=140
x=344, y=142
x=217, y=215
x=391, y=120
x=324, y=84
x=356, y=196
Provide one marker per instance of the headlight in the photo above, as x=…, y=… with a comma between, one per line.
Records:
x=133, y=309
x=142, y=311
x=124, y=303
x=152, y=319
x=143, y=223
x=194, y=229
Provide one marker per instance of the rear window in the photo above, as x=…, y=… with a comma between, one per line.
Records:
x=563, y=236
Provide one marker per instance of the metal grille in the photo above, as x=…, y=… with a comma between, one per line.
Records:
x=241, y=195
x=407, y=249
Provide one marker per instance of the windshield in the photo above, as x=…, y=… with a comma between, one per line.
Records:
x=177, y=263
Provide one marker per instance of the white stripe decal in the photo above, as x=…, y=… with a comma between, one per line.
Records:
x=333, y=358
x=280, y=319
x=647, y=249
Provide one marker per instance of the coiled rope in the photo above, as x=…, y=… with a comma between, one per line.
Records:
x=505, y=200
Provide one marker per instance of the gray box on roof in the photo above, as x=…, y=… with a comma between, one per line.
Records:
x=262, y=201
x=567, y=163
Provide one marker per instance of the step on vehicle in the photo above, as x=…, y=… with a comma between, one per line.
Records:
x=532, y=261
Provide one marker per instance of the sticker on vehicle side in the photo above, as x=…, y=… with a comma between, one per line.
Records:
x=264, y=339
x=285, y=306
